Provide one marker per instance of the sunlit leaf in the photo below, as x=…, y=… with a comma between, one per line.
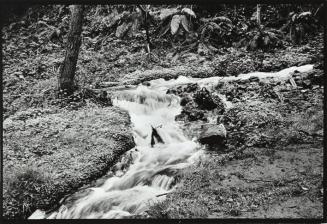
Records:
x=185, y=23
x=189, y=12
x=167, y=12
x=174, y=24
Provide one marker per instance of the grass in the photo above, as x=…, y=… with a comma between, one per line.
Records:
x=48, y=154
x=239, y=189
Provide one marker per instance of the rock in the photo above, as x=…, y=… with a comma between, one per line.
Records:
x=204, y=99
x=38, y=214
x=171, y=91
x=254, y=79
x=180, y=117
x=182, y=89
x=191, y=87
x=190, y=113
x=212, y=134
x=108, y=84
x=185, y=100
x=307, y=83
x=196, y=115
x=146, y=83
x=243, y=81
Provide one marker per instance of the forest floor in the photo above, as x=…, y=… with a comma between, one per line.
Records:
x=51, y=149
x=272, y=166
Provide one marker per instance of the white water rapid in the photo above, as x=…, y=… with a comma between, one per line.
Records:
x=151, y=174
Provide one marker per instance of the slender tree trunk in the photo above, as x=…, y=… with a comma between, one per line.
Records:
x=146, y=24
x=67, y=71
x=259, y=15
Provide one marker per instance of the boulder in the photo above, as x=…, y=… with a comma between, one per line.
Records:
x=146, y=83
x=196, y=115
x=192, y=87
x=212, y=134
x=204, y=99
x=181, y=90
x=190, y=114
x=185, y=100
x=254, y=79
x=307, y=83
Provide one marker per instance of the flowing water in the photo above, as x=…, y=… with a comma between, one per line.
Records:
x=152, y=170
x=146, y=173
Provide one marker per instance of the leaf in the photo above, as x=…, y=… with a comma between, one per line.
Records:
x=305, y=14
x=166, y=13
x=113, y=21
x=215, y=27
x=135, y=23
x=122, y=29
x=164, y=30
x=174, y=24
x=266, y=40
x=189, y=12
x=185, y=23
x=222, y=19
x=174, y=59
x=253, y=44
x=254, y=16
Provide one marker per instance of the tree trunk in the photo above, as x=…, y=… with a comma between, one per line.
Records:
x=146, y=16
x=259, y=15
x=67, y=71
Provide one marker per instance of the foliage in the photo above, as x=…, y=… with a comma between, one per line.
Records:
x=264, y=39
x=123, y=22
x=180, y=22
x=301, y=24
x=176, y=21
x=216, y=31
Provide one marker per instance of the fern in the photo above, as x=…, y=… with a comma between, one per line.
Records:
x=299, y=25
x=216, y=31
x=265, y=39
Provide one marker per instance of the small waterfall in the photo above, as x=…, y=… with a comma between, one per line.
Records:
x=146, y=173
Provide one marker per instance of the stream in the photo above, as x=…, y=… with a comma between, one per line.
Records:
x=146, y=173
x=151, y=169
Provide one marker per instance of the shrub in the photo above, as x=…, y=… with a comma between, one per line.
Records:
x=300, y=25
x=265, y=39
x=216, y=31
